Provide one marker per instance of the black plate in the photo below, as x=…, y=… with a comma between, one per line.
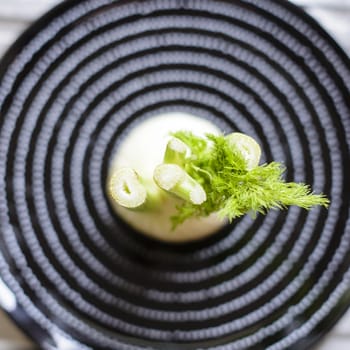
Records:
x=73, y=275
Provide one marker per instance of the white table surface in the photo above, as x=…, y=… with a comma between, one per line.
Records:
x=16, y=15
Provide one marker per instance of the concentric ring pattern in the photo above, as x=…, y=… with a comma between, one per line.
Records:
x=73, y=85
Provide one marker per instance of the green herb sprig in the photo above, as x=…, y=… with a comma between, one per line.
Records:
x=231, y=187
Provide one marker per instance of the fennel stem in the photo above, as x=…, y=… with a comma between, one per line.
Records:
x=128, y=189
x=175, y=180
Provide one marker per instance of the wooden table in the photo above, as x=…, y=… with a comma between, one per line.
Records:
x=16, y=15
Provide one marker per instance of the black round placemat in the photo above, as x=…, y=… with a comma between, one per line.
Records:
x=73, y=275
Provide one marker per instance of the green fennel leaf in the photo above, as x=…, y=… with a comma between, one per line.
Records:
x=232, y=189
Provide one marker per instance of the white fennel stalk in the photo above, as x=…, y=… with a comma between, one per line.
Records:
x=175, y=152
x=175, y=180
x=126, y=189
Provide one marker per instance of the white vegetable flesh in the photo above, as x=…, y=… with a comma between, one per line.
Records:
x=143, y=150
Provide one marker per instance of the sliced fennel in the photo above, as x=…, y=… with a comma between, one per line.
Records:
x=174, y=179
x=126, y=189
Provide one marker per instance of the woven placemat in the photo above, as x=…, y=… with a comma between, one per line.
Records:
x=70, y=87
